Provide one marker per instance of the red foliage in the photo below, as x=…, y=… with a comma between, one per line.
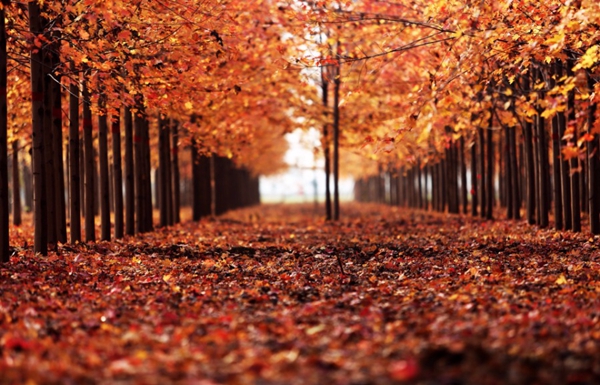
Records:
x=258, y=296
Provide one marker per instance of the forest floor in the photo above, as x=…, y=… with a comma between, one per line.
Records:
x=275, y=295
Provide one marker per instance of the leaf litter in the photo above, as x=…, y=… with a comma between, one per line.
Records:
x=275, y=295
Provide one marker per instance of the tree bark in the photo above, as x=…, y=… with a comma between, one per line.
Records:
x=593, y=165
x=37, y=108
x=326, y=154
x=88, y=142
x=574, y=163
x=336, y=142
x=74, y=169
x=474, y=192
x=104, y=177
x=17, y=219
x=175, y=173
x=489, y=214
x=482, y=184
x=129, y=173
x=4, y=187
x=117, y=176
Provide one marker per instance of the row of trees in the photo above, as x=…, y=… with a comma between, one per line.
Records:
x=119, y=87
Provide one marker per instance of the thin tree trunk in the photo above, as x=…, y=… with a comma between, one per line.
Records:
x=4, y=187
x=464, y=194
x=117, y=176
x=530, y=174
x=139, y=185
x=326, y=154
x=57, y=137
x=103, y=177
x=74, y=169
x=490, y=171
x=49, y=166
x=508, y=177
x=175, y=173
x=515, y=173
x=474, y=193
x=336, y=142
x=88, y=142
x=543, y=172
x=129, y=173
x=575, y=193
x=163, y=167
x=17, y=219
x=37, y=108
x=482, y=184
x=593, y=166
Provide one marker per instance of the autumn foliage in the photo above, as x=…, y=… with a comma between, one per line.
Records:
x=383, y=297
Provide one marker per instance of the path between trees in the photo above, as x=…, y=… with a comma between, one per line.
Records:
x=271, y=295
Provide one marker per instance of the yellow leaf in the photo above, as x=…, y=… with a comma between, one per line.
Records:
x=166, y=277
x=561, y=280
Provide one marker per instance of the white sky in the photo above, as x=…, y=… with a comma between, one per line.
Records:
x=298, y=183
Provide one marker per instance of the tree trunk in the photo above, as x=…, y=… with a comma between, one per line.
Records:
x=508, y=177
x=49, y=165
x=129, y=173
x=575, y=197
x=336, y=142
x=514, y=172
x=4, y=187
x=464, y=194
x=74, y=169
x=117, y=176
x=593, y=165
x=543, y=175
x=164, y=193
x=530, y=174
x=489, y=214
x=57, y=136
x=482, y=184
x=474, y=193
x=88, y=142
x=175, y=173
x=139, y=184
x=37, y=108
x=326, y=154
x=16, y=178
x=103, y=178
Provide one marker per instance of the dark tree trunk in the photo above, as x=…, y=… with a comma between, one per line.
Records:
x=565, y=168
x=508, y=177
x=4, y=187
x=74, y=169
x=117, y=176
x=175, y=173
x=489, y=214
x=336, y=143
x=543, y=175
x=146, y=180
x=129, y=173
x=48, y=135
x=88, y=141
x=575, y=193
x=326, y=154
x=464, y=194
x=57, y=137
x=515, y=173
x=593, y=166
x=37, y=108
x=474, y=193
x=163, y=183
x=15, y=177
x=103, y=178
x=139, y=171
x=530, y=174
x=482, y=180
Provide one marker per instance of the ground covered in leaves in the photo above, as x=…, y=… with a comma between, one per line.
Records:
x=275, y=295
